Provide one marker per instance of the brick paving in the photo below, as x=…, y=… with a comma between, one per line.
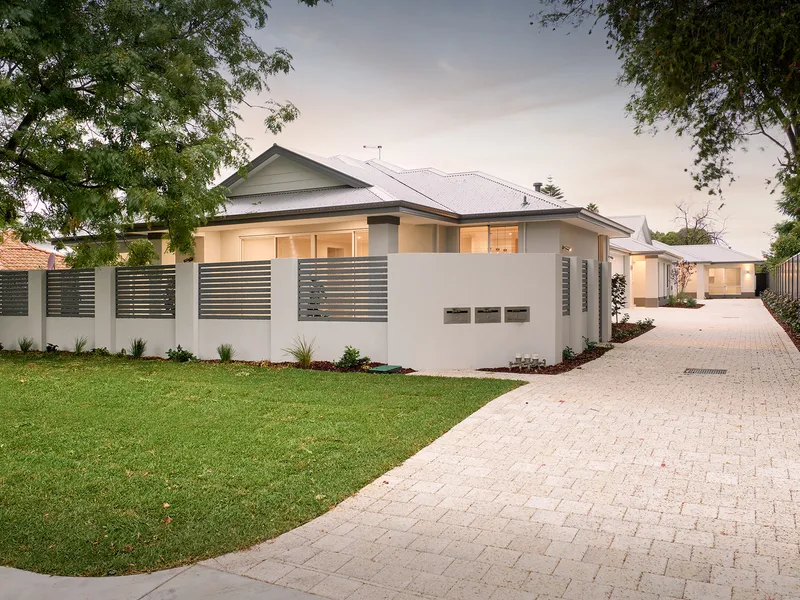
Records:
x=625, y=479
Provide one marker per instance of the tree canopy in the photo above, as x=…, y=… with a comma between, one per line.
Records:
x=697, y=226
x=718, y=72
x=123, y=111
x=593, y=207
x=552, y=190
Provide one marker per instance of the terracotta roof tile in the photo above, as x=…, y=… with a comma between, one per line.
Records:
x=18, y=256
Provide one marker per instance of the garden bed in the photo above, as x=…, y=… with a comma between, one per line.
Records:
x=562, y=367
x=625, y=332
x=682, y=305
x=793, y=335
x=324, y=365
x=126, y=466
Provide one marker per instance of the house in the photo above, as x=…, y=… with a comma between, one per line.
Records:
x=415, y=267
x=16, y=255
x=646, y=264
x=719, y=272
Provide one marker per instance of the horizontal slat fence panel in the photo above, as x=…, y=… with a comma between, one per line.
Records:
x=239, y=290
x=14, y=293
x=343, y=289
x=565, y=286
x=70, y=293
x=585, y=286
x=146, y=292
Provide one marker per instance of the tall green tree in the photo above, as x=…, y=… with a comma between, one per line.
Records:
x=120, y=111
x=552, y=189
x=721, y=73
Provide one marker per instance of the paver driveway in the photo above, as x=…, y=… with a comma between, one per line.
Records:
x=625, y=479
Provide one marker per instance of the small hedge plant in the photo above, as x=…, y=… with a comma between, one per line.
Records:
x=180, y=355
x=352, y=359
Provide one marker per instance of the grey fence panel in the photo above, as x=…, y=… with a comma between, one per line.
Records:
x=585, y=286
x=70, y=293
x=239, y=290
x=785, y=279
x=343, y=289
x=146, y=292
x=13, y=293
x=565, y=286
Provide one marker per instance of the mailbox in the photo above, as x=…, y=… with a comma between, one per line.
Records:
x=518, y=314
x=487, y=314
x=456, y=315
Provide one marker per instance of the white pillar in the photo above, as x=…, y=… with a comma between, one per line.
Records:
x=576, y=315
x=651, y=282
x=605, y=303
x=701, y=277
x=627, y=271
x=593, y=317
x=186, y=307
x=105, y=309
x=37, y=308
x=283, y=299
x=384, y=235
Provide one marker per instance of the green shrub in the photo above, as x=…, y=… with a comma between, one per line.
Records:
x=80, y=344
x=302, y=352
x=691, y=302
x=590, y=345
x=25, y=344
x=101, y=352
x=645, y=322
x=180, y=355
x=568, y=354
x=351, y=359
x=137, y=348
x=625, y=318
x=1, y=345
x=51, y=348
x=226, y=352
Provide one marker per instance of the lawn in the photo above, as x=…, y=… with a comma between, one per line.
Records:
x=123, y=466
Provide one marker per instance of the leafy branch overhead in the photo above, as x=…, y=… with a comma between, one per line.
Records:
x=122, y=111
x=718, y=72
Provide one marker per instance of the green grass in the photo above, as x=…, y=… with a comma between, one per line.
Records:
x=92, y=450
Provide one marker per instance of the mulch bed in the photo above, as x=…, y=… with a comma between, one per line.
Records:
x=793, y=335
x=682, y=306
x=324, y=365
x=632, y=329
x=562, y=367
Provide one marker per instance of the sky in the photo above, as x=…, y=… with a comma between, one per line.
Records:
x=464, y=85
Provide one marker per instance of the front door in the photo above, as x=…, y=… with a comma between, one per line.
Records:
x=725, y=282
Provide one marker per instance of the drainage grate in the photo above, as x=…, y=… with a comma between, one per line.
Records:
x=705, y=371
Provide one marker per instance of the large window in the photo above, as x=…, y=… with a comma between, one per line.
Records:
x=489, y=239
x=321, y=245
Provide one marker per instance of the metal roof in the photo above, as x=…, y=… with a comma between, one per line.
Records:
x=713, y=253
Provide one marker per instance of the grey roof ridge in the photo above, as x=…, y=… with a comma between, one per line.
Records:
x=403, y=183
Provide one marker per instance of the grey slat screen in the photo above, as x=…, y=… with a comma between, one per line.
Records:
x=565, y=291
x=70, y=293
x=343, y=289
x=146, y=292
x=235, y=290
x=14, y=293
x=585, y=286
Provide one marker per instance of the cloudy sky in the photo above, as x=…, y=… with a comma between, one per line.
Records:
x=471, y=85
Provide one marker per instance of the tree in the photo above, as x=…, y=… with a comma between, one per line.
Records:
x=680, y=274
x=701, y=226
x=593, y=207
x=718, y=72
x=552, y=190
x=785, y=243
x=618, y=284
x=123, y=111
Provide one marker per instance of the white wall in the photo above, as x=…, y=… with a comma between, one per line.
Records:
x=282, y=175
x=421, y=286
x=250, y=339
x=62, y=331
x=331, y=338
x=158, y=333
x=13, y=328
x=583, y=242
x=417, y=238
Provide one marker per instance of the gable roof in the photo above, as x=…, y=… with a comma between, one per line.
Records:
x=16, y=255
x=713, y=253
x=633, y=246
x=377, y=185
x=641, y=231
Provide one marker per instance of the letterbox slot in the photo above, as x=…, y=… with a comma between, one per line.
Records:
x=518, y=314
x=487, y=314
x=457, y=314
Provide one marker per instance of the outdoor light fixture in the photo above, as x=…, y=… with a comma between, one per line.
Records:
x=567, y=248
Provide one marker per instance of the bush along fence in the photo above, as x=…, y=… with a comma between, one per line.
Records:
x=423, y=311
x=785, y=279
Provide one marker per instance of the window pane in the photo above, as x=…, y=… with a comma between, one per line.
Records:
x=474, y=240
x=294, y=246
x=334, y=245
x=504, y=240
x=362, y=243
x=258, y=248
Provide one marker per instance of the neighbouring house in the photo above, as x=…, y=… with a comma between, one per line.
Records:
x=16, y=255
x=720, y=272
x=415, y=267
x=646, y=264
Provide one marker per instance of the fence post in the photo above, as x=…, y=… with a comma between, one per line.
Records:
x=593, y=315
x=575, y=305
x=284, y=322
x=186, y=306
x=37, y=308
x=105, y=309
x=605, y=301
